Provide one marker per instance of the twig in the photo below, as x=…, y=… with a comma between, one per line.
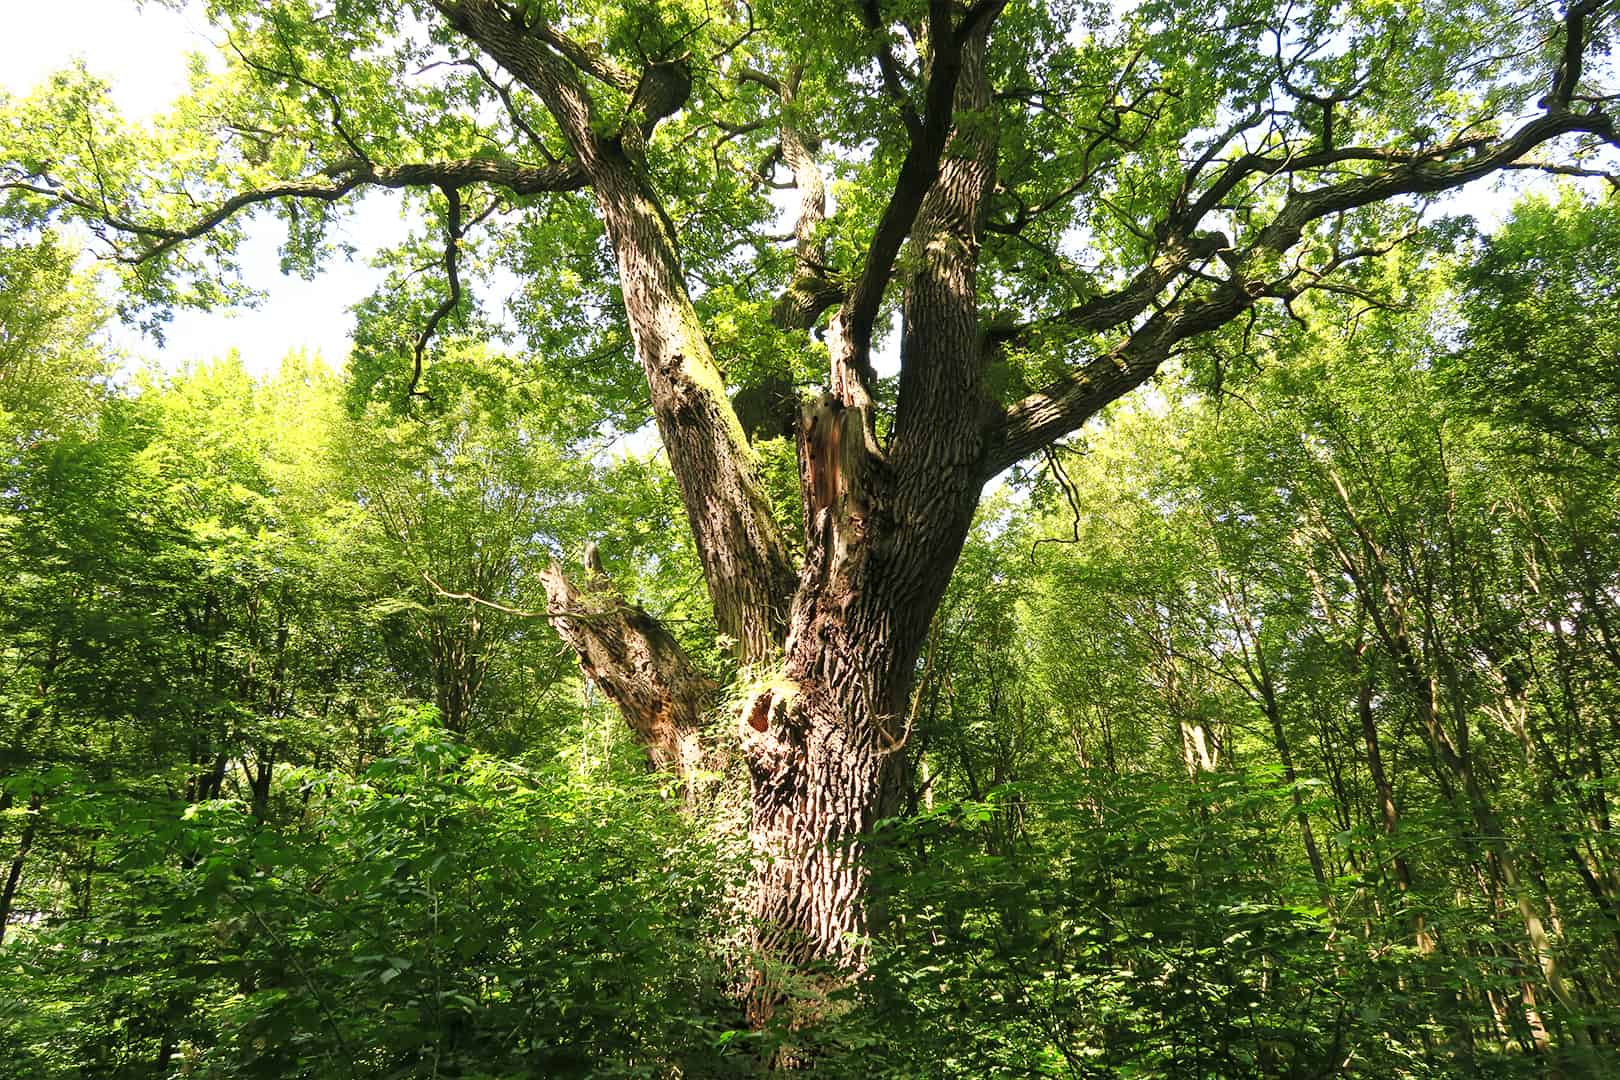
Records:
x=1071, y=494
x=469, y=597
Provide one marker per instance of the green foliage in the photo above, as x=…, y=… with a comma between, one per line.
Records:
x=236, y=854
x=437, y=911
x=1135, y=926
x=1542, y=359
x=1277, y=755
x=51, y=370
x=1267, y=731
x=1149, y=835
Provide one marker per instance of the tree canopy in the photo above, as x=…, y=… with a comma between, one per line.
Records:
x=1289, y=684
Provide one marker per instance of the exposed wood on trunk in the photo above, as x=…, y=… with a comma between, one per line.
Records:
x=638, y=665
x=881, y=537
x=885, y=523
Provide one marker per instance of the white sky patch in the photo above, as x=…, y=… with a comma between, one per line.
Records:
x=295, y=314
x=141, y=52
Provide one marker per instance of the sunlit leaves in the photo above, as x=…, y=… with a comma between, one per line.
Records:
x=1542, y=356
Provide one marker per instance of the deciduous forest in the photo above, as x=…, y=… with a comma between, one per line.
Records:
x=856, y=538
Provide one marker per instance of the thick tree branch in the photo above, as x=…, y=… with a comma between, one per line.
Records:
x=638, y=665
x=1552, y=168
x=810, y=291
x=744, y=73
x=852, y=344
x=1063, y=406
x=940, y=401
x=1046, y=416
x=890, y=71
x=522, y=50
x=341, y=180
x=1176, y=256
x=587, y=57
x=745, y=560
x=1181, y=247
x=1568, y=75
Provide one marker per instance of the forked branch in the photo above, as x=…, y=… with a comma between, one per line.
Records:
x=154, y=238
x=1067, y=403
x=918, y=170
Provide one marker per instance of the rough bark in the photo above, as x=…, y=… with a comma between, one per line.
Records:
x=823, y=740
x=835, y=645
x=838, y=639
x=824, y=743
x=745, y=561
x=637, y=665
x=810, y=290
x=744, y=557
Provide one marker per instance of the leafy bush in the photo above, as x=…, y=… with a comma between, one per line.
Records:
x=443, y=913
x=1128, y=927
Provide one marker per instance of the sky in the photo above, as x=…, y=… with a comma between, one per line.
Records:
x=141, y=51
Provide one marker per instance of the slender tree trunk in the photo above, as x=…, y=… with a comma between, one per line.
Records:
x=1389, y=816
x=259, y=784
x=14, y=874
x=1260, y=677
x=1392, y=615
x=1280, y=740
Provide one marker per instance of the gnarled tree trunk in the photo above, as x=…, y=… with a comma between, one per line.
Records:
x=883, y=530
x=887, y=506
x=834, y=643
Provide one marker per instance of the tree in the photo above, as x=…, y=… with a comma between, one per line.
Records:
x=1051, y=200
x=1543, y=356
x=50, y=368
x=469, y=500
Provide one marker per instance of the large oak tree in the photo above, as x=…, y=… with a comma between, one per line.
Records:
x=1038, y=204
